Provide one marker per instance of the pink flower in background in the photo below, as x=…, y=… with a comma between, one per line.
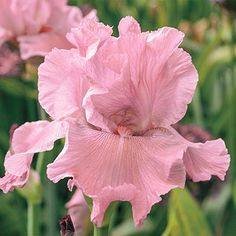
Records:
x=79, y=211
x=38, y=25
x=114, y=100
x=9, y=62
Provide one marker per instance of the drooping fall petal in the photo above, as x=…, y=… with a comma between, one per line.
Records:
x=203, y=160
x=105, y=165
x=28, y=139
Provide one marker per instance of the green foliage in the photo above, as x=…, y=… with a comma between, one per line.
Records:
x=185, y=217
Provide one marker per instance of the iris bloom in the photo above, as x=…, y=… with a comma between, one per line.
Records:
x=37, y=25
x=114, y=100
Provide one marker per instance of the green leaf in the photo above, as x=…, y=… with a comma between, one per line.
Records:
x=18, y=88
x=185, y=217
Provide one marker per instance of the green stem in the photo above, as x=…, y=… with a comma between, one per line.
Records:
x=197, y=109
x=102, y=231
x=33, y=221
x=40, y=160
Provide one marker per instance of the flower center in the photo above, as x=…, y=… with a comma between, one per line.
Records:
x=124, y=131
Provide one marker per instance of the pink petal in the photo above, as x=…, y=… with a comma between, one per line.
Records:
x=109, y=167
x=31, y=15
x=10, y=181
x=128, y=24
x=78, y=210
x=88, y=36
x=41, y=44
x=63, y=17
x=143, y=97
x=62, y=85
x=204, y=160
x=28, y=139
x=175, y=89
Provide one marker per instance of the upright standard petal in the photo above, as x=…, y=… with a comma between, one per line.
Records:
x=28, y=139
x=109, y=167
x=88, y=36
x=152, y=90
x=128, y=25
x=62, y=83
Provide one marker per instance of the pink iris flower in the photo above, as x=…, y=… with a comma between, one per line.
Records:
x=114, y=100
x=38, y=25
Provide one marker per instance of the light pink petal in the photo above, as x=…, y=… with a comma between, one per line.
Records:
x=34, y=13
x=77, y=199
x=204, y=160
x=88, y=36
x=10, y=181
x=139, y=107
x=174, y=89
x=109, y=167
x=41, y=44
x=127, y=25
x=63, y=17
x=78, y=210
x=62, y=85
x=28, y=139
x=154, y=85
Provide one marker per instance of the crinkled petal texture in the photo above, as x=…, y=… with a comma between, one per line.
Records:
x=155, y=82
x=88, y=36
x=62, y=83
x=28, y=139
x=204, y=160
x=109, y=167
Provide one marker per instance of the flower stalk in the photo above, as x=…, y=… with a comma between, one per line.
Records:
x=102, y=231
x=32, y=219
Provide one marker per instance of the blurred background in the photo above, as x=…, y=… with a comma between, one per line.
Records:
x=207, y=208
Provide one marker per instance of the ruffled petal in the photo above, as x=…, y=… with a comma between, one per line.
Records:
x=105, y=166
x=62, y=84
x=28, y=139
x=63, y=17
x=41, y=44
x=204, y=160
x=10, y=181
x=128, y=25
x=153, y=86
x=174, y=89
x=88, y=36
